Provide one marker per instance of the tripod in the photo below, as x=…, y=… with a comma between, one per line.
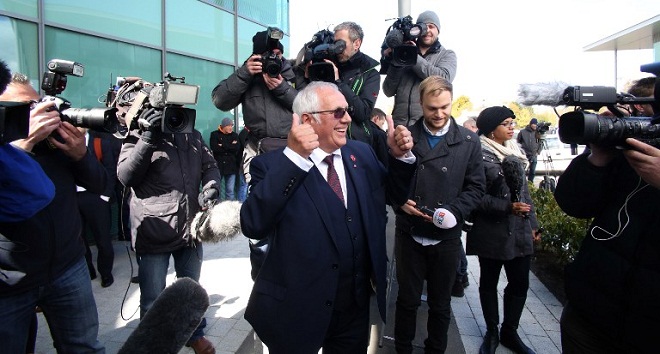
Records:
x=548, y=182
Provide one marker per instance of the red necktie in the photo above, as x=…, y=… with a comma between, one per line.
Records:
x=333, y=177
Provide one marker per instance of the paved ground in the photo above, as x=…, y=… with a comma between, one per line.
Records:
x=226, y=277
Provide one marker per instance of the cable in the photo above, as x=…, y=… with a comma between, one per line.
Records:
x=624, y=210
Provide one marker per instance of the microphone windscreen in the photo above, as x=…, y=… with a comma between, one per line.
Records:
x=444, y=218
x=542, y=93
x=170, y=321
x=156, y=98
x=394, y=38
x=513, y=170
x=219, y=222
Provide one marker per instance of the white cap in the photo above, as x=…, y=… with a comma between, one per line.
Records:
x=443, y=218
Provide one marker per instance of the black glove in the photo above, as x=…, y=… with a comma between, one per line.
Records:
x=208, y=197
x=150, y=122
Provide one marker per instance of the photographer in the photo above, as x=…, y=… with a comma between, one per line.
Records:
x=528, y=139
x=165, y=172
x=612, y=286
x=42, y=259
x=266, y=100
x=402, y=82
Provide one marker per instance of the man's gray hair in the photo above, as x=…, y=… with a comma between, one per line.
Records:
x=309, y=99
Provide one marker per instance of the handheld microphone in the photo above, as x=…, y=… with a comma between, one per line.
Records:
x=170, y=322
x=218, y=222
x=514, y=176
x=442, y=217
x=542, y=93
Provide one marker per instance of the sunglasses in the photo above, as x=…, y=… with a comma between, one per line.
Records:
x=338, y=113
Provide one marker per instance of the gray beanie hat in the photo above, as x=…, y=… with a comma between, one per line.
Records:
x=429, y=17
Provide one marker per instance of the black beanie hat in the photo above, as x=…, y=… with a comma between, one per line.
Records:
x=260, y=43
x=491, y=117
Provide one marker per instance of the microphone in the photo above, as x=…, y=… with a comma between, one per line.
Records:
x=394, y=38
x=156, y=97
x=170, y=322
x=219, y=222
x=442, y=217
x=542, y=93
x=514, y=175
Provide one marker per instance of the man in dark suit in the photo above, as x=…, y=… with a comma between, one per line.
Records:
x=95, y=209
x=327, y=234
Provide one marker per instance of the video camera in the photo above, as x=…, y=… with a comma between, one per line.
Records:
x=543, y=127
x=322, y=47
x=582, y=127
x=169, y=96
x=54, y=82
x=271, y=61
x=402, y=31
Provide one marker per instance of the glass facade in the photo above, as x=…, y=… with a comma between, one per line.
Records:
x=203, y=41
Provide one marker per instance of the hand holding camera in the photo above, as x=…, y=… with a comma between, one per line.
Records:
x=150, y=122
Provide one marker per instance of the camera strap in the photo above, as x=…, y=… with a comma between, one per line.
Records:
x=357, y=88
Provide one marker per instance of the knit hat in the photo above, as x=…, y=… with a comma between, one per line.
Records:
x=429, y=17
x=226, y=122
x=260, y=43
x=533, y=121
x=491, y=117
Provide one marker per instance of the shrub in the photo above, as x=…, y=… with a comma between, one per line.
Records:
x=562, y=234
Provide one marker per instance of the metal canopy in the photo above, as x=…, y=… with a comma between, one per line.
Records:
x=636, y=37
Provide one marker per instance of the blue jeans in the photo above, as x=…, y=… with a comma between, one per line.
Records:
x=70, y=309
x=230, y=186
x=153, y=272
x=242, y=188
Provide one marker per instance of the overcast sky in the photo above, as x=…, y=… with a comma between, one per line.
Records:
x=499, y=44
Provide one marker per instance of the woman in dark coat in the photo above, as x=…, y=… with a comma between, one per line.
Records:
x=504, y=229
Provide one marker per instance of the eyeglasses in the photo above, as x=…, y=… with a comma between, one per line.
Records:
x=338, y=113
x=511, y=124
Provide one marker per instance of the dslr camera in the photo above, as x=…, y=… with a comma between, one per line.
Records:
x=54, y=82
x=168, y=96
x=402, y=31
x=584, y=125
x=271, y=62
x=322, y=47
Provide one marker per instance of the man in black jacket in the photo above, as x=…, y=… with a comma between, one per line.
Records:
x=225, y=146
x=42, y=259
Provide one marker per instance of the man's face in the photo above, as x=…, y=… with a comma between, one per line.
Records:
x=19, y=93
x=330, y=130
x=533, y=126
x=436, y=109
x=351, y=47
x=430, y=37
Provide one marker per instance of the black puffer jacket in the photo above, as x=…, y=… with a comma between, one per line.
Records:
x=615, y=283
x=450, y=175
x=496, y=233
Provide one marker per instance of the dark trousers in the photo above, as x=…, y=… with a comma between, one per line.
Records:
x=437, y=265
x=96, y=215
x=517, y=274
x=348, y=332
x=532, y=167
x=579, y=336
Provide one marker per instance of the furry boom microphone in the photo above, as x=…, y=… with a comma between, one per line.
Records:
x=543, y=93
x=219, y=222
x=170, y=322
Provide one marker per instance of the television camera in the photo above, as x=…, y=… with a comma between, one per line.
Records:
x=398, y=37
x=271, y=61
x=583, y=127
x=135, y=96
x=54, y=82
x=322, y=47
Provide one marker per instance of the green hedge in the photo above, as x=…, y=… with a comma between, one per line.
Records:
x=562, y=234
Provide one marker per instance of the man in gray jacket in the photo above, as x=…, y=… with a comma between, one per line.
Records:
x=402, y=82
x=265, y=99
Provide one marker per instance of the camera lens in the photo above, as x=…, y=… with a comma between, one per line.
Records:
x=176, y=122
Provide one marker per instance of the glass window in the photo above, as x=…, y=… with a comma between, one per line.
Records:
x=204, y=30
x=129, y=19
x=20, y=47
x=227, y=4
x=207, y=75
x=270, y=13
x=22, y=7
x=103, y=60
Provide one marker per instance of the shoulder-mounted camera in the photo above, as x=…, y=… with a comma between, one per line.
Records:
x=323, y=46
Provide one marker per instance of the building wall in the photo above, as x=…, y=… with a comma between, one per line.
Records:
x=203, y=41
